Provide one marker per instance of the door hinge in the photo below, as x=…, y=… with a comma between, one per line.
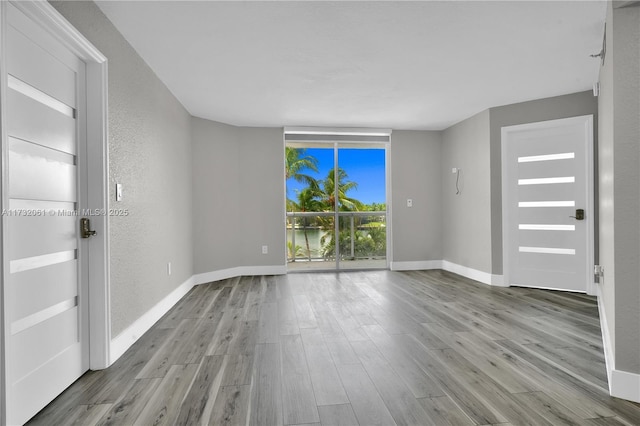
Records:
x=598, y=272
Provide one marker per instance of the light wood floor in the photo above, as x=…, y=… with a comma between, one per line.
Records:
x=364, y=348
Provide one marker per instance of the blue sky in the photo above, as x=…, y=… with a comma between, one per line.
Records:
x=364, y=166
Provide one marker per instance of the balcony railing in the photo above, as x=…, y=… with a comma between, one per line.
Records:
x=311, y=236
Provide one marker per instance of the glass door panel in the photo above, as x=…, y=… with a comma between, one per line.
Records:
x=318, y=194
x=361, y=193
x=310, y=214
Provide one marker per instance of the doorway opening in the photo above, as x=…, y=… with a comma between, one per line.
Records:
x=336, y=203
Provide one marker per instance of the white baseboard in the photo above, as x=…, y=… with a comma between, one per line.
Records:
x=420, y=265
x=606, y=339
x=239, y=271
x=131, y=334
x=622, y=384
x=474, y=274
x=625, y=385
x=497, y=281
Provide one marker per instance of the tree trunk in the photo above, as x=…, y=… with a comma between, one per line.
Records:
x=306, y=239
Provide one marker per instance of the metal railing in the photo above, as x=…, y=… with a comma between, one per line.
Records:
x=352, y=215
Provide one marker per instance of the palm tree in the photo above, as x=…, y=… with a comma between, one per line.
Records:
x=328, y=192
x=295, y=162
x=307, y=201
x=293, y=252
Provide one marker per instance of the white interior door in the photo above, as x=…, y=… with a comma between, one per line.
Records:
x=547, y=177
x=45, y=273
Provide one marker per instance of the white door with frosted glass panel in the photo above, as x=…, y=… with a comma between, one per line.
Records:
x=547, y=179
x=45, y=280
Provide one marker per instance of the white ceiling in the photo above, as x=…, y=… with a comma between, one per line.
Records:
x=395, y=64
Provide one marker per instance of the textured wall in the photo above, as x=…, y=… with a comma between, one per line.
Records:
x=415, y=174
x=573, y=105
x=606, y=182
x=625, y=55
x=150, y=154
x=262, y=197
x=466, y=227
x=217, y=221
x=238, y=187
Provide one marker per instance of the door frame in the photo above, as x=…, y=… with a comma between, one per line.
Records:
x=345, y=132
x=51, y=21
x=587, y=122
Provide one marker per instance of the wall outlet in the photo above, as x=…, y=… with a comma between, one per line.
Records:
x=454, y=170
x=168, y=268
x=265, y=249
x=409, y=202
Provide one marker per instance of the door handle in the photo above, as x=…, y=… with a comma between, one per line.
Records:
x=85, y=228
x=579, y=214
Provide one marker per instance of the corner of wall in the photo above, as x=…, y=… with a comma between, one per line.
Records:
x=622, y=384
x=123, y=341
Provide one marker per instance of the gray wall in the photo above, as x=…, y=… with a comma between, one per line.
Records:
x=605, y=183
x=572, y=105
x=262, y=196
x=238, y=186
x=216, y=200
x=150, y=154
x=416, y=174
x=620, y=183
x=466, y=235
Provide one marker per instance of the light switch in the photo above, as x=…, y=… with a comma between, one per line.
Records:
x=409, y=202
x=118, y=192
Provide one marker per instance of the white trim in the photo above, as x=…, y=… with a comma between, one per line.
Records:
x=625, y=385
x=505, y=209
x=131, y=334
x=51, y=20
x=419, y=265
x=98, y=184
x=388, y=180
x=606, y=338
x=347, y=131
x=239, y=271
x=4, y=260
x=498, y=281
x=622, y=384
x=589, y=129
x=474, y=274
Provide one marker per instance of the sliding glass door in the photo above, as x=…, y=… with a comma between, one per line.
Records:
x=336, y=205
x=310, y=219
x=361, y=193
